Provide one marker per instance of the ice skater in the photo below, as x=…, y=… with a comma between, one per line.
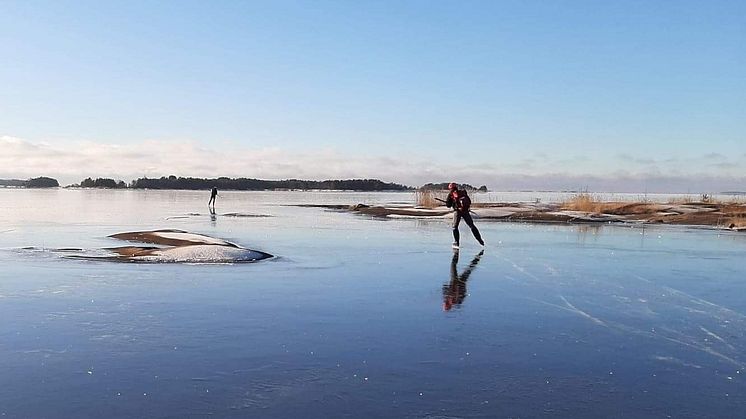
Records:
x=213, y=195
x=459, y=200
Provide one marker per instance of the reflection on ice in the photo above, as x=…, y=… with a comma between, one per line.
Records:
x=454, y=292
x=213, y=215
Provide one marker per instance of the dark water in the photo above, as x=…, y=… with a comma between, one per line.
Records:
x=363, y=317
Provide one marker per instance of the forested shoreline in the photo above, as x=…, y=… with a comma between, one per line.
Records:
x=249, y=184
x=242, y=184
x=226, y=183
x=37, y=182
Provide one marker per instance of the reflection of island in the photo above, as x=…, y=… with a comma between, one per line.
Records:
x=454, y=292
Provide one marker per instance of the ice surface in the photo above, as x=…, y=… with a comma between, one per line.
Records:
x=580, y=321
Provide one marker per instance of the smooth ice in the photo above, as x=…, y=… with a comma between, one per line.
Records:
x=363, y=317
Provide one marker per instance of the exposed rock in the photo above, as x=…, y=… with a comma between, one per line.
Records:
x=173, y=246
x=715, y=215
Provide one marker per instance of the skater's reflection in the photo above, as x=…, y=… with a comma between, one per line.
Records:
x=213, y=217
x=454, y=291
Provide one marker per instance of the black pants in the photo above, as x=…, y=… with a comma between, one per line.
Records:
x=457, y=216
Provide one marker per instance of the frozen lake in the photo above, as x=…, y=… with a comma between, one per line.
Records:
x=363, y=317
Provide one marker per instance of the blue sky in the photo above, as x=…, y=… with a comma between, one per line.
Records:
x=610, y=94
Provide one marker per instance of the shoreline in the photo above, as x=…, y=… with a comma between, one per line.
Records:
x=718, y=216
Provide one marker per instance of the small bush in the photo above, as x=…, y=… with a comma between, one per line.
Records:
x=427, y=198
x=583, y=202
x=680, y=200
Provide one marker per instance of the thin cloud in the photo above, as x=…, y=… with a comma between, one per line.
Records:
x=714, y=156
x=71, y=162
x=74, y=161
x=724, y=165
x=624, y=157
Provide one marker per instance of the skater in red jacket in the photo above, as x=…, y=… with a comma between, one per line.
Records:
x=459, y=200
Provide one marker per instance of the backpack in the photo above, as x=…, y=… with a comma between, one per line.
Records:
x=463, y=202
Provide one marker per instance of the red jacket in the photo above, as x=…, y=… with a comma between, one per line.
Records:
x=459, y=200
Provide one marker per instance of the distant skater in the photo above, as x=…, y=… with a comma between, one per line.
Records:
x=213, y=194
x=459, y=200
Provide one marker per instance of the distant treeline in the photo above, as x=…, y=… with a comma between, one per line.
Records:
x=37, y=182
x=239, y=184
x=102, y=183
x=246, y=184
x=243, y=184
x=444, y=186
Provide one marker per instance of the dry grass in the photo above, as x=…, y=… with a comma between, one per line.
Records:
x=680, y=200
x=706, y=199
x=584, y=202
x=426, y=198
x=690, y=199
